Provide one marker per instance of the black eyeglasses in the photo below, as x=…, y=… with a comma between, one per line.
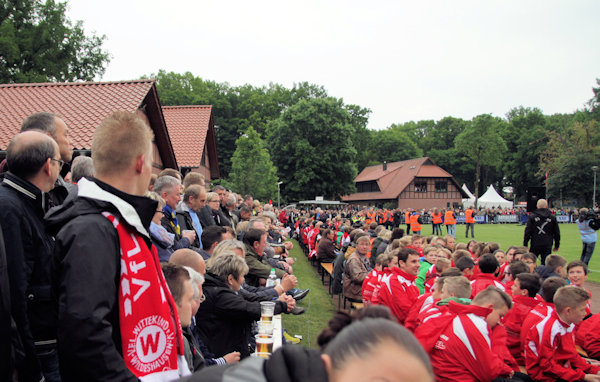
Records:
x=60, y=162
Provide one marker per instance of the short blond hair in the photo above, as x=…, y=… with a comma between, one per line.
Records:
x=570, y=296
x=118, y=140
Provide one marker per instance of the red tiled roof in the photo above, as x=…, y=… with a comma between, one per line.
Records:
x=82, y=105
x=396, y=177
x=188, y=126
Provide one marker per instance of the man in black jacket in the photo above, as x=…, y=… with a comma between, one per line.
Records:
x=542, y=229
x=34, y=162
x=93, y=265
x=53, y=126
x=194, y=199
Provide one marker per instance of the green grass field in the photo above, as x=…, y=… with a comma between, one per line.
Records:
x=512, y=234
x=319, y=305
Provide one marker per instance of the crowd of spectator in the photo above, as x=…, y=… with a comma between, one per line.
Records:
x=480, y=311
x=113, y=273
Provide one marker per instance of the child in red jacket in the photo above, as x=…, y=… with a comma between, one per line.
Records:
x=524, y=290
x=459, y=343
x=488, y=266
x=550, y=352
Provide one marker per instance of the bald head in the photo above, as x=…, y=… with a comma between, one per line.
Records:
x=189, y=258
x=33, y=155
x=542, y=203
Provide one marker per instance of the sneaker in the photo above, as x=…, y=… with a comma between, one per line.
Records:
x=290, y=339
x=300, y=294
x=297, y=310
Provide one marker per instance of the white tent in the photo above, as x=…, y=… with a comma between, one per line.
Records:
x=491, y=199
x=470, y=201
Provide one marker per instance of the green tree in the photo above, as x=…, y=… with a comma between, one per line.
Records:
x=361, y=136
x=525, y=138
x=481, y=143
x=393, y=145
x=311, y=146
x=568, y=159
x=252, y=169
x=40, y=44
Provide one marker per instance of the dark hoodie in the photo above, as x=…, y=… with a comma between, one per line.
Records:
x=542, y=229
x=86, y=278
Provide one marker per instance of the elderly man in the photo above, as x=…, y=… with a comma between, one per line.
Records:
x=81, y=167
x=34, y=162
x=542, y=229
x=116, y=318
x=54, y=127
x=194, y=199
x=168, y=188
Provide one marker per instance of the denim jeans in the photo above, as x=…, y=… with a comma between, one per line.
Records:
x=451, y=229
x=48, y=358
x=586, y=253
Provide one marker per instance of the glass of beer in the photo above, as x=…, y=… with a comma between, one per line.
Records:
x=267, y=308
x=264, y=345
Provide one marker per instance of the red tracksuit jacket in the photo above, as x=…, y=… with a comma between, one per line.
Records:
x=550, y=352
x=588, y=336
x=423, y=302
x=460, y=345
x=369, y=284
x=398, y=292
x=482, y=281
x=537, y=314
x=513, y=322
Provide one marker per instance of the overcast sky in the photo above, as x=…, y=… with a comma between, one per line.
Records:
x=405, y=60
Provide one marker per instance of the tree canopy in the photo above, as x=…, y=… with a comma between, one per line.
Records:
x=252, y=169
x=40, y=44
x=310, y=142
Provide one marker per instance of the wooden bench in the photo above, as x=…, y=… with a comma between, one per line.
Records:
x=581, y=352
x=357, y=305
x=327, y=268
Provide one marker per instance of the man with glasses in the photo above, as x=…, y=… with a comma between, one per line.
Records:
x=54, y=127
x=34, y=162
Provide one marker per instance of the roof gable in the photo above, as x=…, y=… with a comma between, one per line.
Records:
x=187, y=127
x=191, y=129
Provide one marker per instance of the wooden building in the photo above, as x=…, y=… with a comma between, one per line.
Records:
x=415, y=183
x=82, y=105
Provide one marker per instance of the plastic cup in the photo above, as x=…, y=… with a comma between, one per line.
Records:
x=265, y=328
x=267, y=309
x=264, y=345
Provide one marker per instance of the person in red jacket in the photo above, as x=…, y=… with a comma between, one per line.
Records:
x=524, y=290
x=374, y=277
x=398, y=291
x=550, y=352
x=544, y=308
x=588, y=336
x=459, y=343
x=488, y=265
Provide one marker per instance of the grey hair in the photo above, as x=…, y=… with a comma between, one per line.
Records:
x=231, y=200
x=43, y=121
x=156, y=197
x=228, y=263
x=196, y=278
x=212, y=196
x=165, y=183
x=82, y=166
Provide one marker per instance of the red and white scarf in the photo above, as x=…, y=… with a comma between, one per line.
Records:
x=151, y=336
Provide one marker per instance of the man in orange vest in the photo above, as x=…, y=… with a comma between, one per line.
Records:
x=470, y=221
x=415, y=223
x=436, y=220
x=407, y=220
x=450, y=222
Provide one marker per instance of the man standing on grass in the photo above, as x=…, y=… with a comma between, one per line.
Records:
x=542, y=229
